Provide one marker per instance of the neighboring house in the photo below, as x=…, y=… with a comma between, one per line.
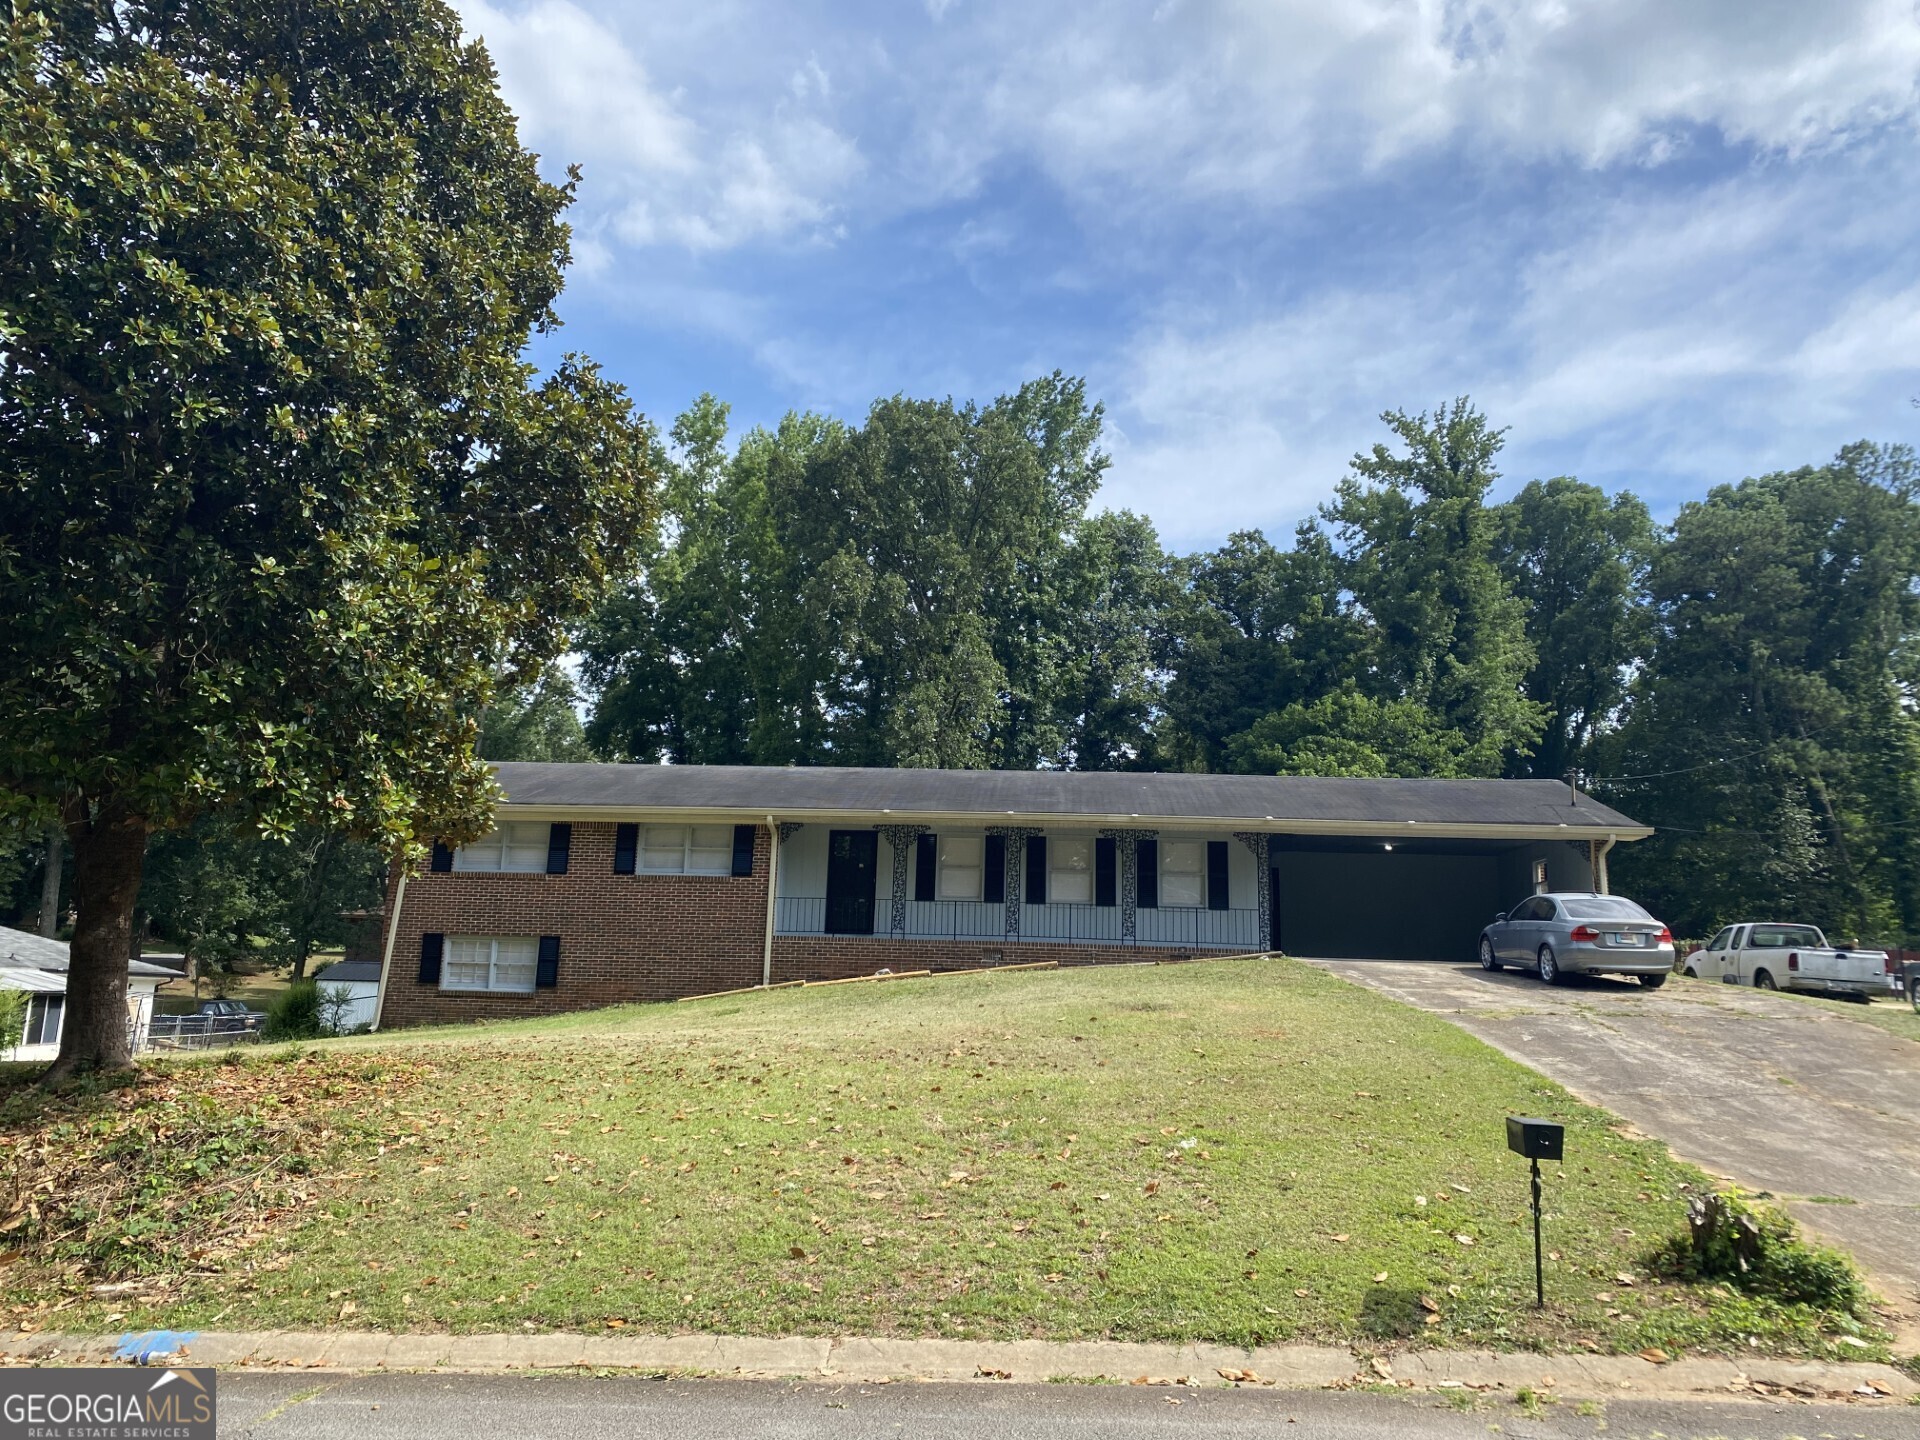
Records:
x=611, y=883
x=39, y=966
x=361, y=980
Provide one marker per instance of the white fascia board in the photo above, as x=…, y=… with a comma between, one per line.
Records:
x=977, y=819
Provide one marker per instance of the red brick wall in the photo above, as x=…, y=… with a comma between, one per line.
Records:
x=654, y=937
x=622, y=937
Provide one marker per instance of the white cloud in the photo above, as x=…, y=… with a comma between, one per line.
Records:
x=1665, y=341
x=769, y=169
x=1256, y=98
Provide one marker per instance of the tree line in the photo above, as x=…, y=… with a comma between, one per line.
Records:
x=935, y=586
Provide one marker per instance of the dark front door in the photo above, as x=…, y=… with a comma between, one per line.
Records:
x=852, y=859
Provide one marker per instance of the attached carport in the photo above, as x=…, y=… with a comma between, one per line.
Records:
x=1354, y=897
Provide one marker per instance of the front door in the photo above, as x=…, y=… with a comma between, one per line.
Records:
x=852, y=862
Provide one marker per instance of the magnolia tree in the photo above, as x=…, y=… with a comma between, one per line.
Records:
x=280, y=499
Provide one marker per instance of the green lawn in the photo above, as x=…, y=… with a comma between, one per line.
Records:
x=1244, y=1151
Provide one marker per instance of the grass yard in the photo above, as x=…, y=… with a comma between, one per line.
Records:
x=1896, y=1017
x=1247, y=1152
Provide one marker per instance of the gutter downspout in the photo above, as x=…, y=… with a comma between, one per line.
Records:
x=386, y=959
x=773, y=893
x=1600, y=862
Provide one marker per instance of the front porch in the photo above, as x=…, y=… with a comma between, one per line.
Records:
x=1106, y=889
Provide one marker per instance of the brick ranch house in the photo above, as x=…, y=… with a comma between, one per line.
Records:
x=605, y=884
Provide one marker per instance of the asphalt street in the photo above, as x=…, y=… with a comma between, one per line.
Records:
x=460, y=1407
x=1776, y=1092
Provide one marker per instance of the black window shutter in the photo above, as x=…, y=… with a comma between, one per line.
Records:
x=1106, y=871
x=743, y=849
x=1036, y=870
x=925, y=850
x=431, y=947
x=1146, y=874
x=993, y=884
x=1216, y=874
x=559, y=842
x=626, y=848
x=546, y=974
x=442, y=859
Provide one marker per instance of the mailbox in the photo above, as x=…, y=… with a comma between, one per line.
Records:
x=1535, y=1139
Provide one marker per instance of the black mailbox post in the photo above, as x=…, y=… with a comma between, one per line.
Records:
x=1537, y=1140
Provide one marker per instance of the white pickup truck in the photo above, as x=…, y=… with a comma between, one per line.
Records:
x=1788, y=957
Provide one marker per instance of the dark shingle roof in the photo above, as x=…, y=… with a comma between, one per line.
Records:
x=20, y=947
x=746, y=790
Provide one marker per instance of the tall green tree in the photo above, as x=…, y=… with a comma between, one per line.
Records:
x=887, y=594
x=1417, y=556
x=1577, y=560
x=1773, y=736
x=539, y=721
x=279, y=496
x=1253, y=631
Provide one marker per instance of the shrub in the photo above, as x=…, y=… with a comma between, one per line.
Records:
x=1761, y=1252
x=13, y=1020
x=295, y=1014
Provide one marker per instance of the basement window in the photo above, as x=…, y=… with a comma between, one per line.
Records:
x=44, y=1014
x=487, y=962
x=687, y=850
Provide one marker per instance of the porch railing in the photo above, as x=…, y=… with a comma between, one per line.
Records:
x=1180, y=928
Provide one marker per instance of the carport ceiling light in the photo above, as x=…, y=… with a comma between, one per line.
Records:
x=1387, y=846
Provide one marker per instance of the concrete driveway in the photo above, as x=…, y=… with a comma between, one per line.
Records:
x=1775, y=1092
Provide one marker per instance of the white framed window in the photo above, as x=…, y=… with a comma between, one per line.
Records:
x=1183, y=872
x=1539, y=877
x=490, y=962
x=960, y=867
x=520, y=846
x=686, y=850
x=1069, y=871
x=44, y=1016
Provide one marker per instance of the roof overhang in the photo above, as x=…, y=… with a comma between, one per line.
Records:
x=1271, y=825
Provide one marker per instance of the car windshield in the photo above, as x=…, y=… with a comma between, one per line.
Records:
x=1603, y=907
x=1783, y=937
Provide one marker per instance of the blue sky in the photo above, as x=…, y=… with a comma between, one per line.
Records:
x=1667, y=242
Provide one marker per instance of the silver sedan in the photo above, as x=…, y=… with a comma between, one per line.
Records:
x=1561, y=934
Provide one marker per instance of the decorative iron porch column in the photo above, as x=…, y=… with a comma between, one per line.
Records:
x=1257, y=842
x=1126, y=843
x=900, y=839
x=1013, y=871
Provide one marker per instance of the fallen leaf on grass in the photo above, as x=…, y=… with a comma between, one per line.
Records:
x=1302, y=1294
x=1655, y=1354
x=1465, y=1239
x=1380, y=1278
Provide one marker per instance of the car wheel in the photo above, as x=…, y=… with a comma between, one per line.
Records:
x=1548, y=966
x=1488, y=960
x=1692, y=974
x=1652, y=982
x=1763, y=980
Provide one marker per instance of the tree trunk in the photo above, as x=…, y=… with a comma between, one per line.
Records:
x=109, y=852
x=50, y=886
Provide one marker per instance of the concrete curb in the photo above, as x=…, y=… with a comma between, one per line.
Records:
x=881, y=1361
